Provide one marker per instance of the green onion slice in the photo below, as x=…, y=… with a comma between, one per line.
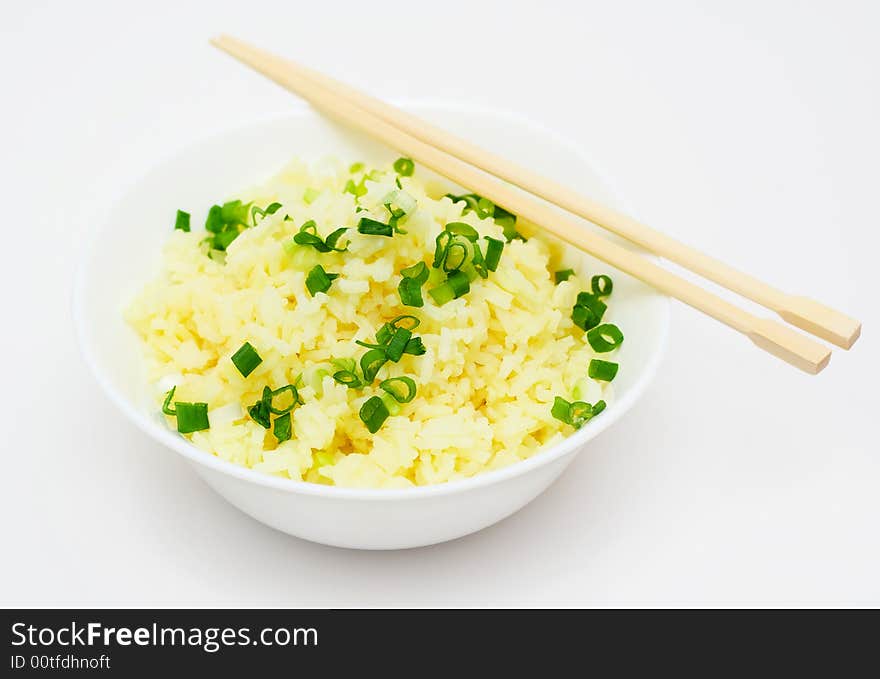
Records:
x=579, y=413
x=444, y=238
x=294, y=399
x=349, y=378
x=415, y=347
x=281, y=428
x=576, y=414
x=355, y=168
x=191, y=417
x=404, y=321
x=246, y=359
x=371, y=362
x=259, y=411
x=598, y=407
x=602, y=285
x=410, y=292
x=166, y=406
x=402, y=389
x=319, y=280
x=417, y=272
x=563, y=275
x=333, y=238
x=604, y=338
x=371, y=227
x=456, y=255
x=398, y=343
x=404, y=167
x=454, y=287
x=588, y=311
x=494, y=248
x=348, y=364
x=308, y=235
x=560, y=409
x=271, y=209
x=373, y=413
x=463, y=229
x=584, y=317
x=602, y=370
x=181, y=222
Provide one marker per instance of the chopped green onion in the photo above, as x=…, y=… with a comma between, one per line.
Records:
x=579, y=413
x=357, y=190
x=334, y=237
x=588, y=311
x=371, y=362
x=563, y=275
x=398, y=343
x=234, y=212
x=309, y=196
x=281, y=428
x=462, y=229
x=478, y=263
x=576, y=414
x=598, y=407
x=348, y=364
x=493, y=252
x=214, y=221
x=294, y=399
x=355, y=168
x=456, y=255
x=271, y=209
x=246, y=359
x=224, y=222
x=308, y=235
x=455, y=286
x=259, y=411
x=373, y=413
x=348, y=377
x=191, y=417
x=603, y=338
x=442, y=241
x=319, y=280
x=181, y=223
x=407, y=321
x=402, y=389
x=584, y=317
x=371, y=227
x=166, y=406
x=399, y=202
x=560, y=409
x=602, y=370
x=404, y=167
x=415, y=347
x=224, y=239
x=410, y=291
x=417, y=272
x=485, y=208
x=384, y=335
x=392, y=405
x=602, y=285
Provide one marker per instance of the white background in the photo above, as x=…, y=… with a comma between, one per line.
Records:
x=749, y=129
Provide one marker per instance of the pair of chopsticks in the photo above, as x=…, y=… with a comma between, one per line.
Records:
x=473, y=167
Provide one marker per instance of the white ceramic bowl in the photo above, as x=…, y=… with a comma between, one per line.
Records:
x=125, y=252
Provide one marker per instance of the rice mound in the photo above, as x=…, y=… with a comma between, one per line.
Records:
x=495, y=359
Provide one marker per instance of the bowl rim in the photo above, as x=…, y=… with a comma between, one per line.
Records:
x=193, y=454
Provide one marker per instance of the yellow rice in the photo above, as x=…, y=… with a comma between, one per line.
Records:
x=495, y=357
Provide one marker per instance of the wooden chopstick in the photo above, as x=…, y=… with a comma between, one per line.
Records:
x=807, y=314
x=770, y=335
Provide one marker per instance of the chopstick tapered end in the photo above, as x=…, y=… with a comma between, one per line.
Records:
x=791, y=346
x=822, y=321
